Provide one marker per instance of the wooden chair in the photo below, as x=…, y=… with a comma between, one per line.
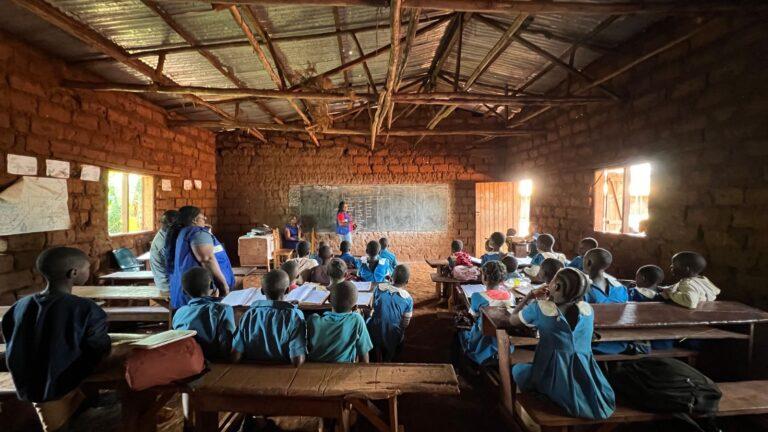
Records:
x=280, y=254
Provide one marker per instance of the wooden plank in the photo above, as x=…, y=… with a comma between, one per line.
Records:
x=137, y=314
x=117, y=292
x=664, y=333
x=526, y=356
x=7, y=388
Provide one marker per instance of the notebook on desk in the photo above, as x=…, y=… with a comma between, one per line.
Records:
x=243, y=297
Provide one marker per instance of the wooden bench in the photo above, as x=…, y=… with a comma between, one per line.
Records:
x=739, y=398
x=329, y=391
x=138, y=314
x=526, y=356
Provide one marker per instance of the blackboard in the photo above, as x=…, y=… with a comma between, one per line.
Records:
x=408, y=208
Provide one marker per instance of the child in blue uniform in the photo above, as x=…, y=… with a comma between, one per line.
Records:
x=544, y=245
x=604, y=289
x=388, y=254
x=564, y=368
x=55, y=339
x=647, y=278
x=510, y=262
x=214, y=322
x=347, y=257
x=549, y=268
x=373, y=268
x=291, y=268
x=479, y=348
x=272, y=329
x=392, y=312
x=339, y=336
x=337, y=272
x=495, y=242
x=584, y=245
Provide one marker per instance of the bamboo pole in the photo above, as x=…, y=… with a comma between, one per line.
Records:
x=384, y=102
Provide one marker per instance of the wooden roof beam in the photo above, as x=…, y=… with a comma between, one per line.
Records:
x=384, y=102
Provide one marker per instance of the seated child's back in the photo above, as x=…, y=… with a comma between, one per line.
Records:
x=55, y=339
x=345, y=256
x=373, y=268
x=214, y=322
x=647, y=279
x=495, y=242
x=273, y=329
x=392, y=311
x=339, y=336
x=388, y=254
x=692, y=288
x=544, y=245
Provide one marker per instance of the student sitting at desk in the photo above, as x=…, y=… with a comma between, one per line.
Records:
x=647, y=279
x=477, y=347
x=495, y=242
x=549, y=268
x=388, y=254
x=392, y=311
x=291, y=268
x=544, y=245
x=302, y=260
x=460, y=263
x=272, y=329
x=339, y=336
x=157, y=251
x=337, y=272
x=604, y=289
x=584, y=245
x=316, y=255
x=564, y=368
x=691, y=288
x=319, y=274
x=373, y=268
x=347, y=257
x=55, y=339
x=214, y=322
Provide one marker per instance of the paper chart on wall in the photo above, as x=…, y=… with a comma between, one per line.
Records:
x=165, y=185
x=198, y=184
x=187, y=184
x=21, y=165
x=90, y=173
x=56, y=168
x=34, y=204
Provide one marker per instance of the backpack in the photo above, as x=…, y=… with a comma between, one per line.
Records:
x=665, y=385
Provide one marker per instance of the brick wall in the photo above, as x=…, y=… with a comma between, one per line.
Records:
x=254, y=179
x=698, y=112
x=39, y=119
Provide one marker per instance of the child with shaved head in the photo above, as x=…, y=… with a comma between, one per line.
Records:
x=392, y=311
x=647, y=278
x=55, y=339
x=339, y=336
x=692, y=288
x=544, y=245
x=584, y=245
x=604, y=288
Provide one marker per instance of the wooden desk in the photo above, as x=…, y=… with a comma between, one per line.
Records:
x=324, y=390
x=137, y=277
x=124, y=292
x=144, y=258
x=637, y=321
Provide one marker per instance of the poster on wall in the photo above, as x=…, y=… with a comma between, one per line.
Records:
x=90, y=173
x=21, y=165
x=198, y=184
x=57, y=168
x=165, y=185
x=34, y=204
x=187, y=184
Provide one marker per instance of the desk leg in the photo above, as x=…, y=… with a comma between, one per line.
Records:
x=393, y=420
x=507, y=398
x=451, y=298
x=206, y=421
x=750, y=348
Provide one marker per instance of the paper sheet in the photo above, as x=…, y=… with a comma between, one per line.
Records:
x=21, y=165
x=57, y=168
x=471, y=289
x=34, y=204
x=316, y=297
x=198, y=184
x=243, y=297
x=364, y=298
x=362, y=286
x=90, y=173
x=165, y=185
x=300, y=293
x=187, y=184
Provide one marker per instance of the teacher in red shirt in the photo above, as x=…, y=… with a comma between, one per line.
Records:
x=344, y=223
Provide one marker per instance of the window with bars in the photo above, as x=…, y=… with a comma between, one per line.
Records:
x=130, y=203
x=621, y=199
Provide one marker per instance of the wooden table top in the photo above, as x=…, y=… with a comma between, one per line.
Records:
x=143, y=257
x=651, y=315
x=321, y=380
x=118, y=292
x=126, y=275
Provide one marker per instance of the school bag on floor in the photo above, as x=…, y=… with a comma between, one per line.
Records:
x=665, y=385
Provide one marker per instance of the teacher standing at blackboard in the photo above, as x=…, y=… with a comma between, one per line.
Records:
x=344, y=223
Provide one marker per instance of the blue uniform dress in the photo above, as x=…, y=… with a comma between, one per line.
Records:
x=491, y=256
x=390, y=305
x=577, y=262
x=379, y=274
x=391, y=258
x=271, y=331
x=350, y=260
x=616, y=293
x=184, y=259
x=291, y=244
x=214, y=323
x=564, y=368
x=476, y=346
x=337, y=337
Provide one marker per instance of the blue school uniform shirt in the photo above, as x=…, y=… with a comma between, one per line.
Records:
x=390, y=304
x=391, y=258
x=348, y=259
x=491, y=256
x=637, y=294
x=564, y=368
x=476, y=346
x=577, y=262
x=615, y=293
x=214, y=323
x=54, y=341
x=336, y=337
x=379, y=274
x=271, y=331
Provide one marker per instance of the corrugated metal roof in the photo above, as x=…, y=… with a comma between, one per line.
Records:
x=133, y=26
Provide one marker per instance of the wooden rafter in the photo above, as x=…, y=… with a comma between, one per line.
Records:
x=404, y=132
x=385, y=102
x=283, y=70
x=443, y=50
x=367, y=70
x=340, y=43
x=106, y=46
x=570, y=40
x=209, y=56
x=618, y=71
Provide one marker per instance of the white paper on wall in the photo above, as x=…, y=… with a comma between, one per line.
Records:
x=187, y=184
x=21, y=165
x=90, y=173
x=198, y=184
x=34, y=204
x=57, y=168
x=165, y=185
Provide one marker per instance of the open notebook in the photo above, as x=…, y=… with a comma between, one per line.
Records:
x=363, y=286
x=470, y=289
x=308, y=294
x=243, y=297
x=364, y=299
